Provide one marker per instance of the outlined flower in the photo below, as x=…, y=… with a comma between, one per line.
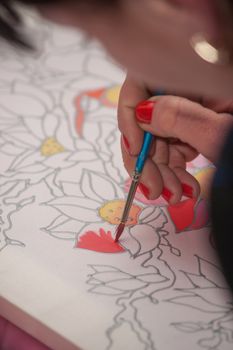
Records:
x=40, y=140
x=109, y=280
x=98, y=208
x=204, y=295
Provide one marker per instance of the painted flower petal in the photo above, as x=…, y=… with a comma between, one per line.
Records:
x=182, y=214
x=100, y=242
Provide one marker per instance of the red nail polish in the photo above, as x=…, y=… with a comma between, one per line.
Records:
x=187, y=190
x=145, y=190
x=167, y=194
x=144, y=111
x=126, y=142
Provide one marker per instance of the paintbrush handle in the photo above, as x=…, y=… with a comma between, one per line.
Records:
x=148, y=138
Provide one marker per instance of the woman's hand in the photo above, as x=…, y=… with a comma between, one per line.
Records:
x=182, y=127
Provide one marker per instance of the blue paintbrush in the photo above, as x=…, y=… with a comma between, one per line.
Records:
x=148, y=138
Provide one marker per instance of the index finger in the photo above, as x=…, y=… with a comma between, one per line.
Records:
x=131, y=94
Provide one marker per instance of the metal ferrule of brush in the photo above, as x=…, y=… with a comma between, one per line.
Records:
x=133, y=188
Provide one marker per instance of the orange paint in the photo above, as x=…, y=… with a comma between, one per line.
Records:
x=95, y=93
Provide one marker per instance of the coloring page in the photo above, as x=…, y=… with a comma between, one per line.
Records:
x=63, y=187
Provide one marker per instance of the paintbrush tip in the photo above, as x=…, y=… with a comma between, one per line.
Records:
x=119, y=231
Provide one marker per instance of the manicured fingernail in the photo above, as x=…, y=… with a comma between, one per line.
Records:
x=187, y=190
x=144, y=111
x=145, y=190
x=126, y=143
x=167, y=194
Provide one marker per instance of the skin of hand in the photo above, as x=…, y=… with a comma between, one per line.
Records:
x=183, y=128
x=152, y=40
x=12, y=338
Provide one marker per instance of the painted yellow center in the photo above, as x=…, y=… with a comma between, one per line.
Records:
x=112, y=212
x=112, y=95
x=50, y=147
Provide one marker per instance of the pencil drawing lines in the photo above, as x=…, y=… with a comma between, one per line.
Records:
x=204, y=295
x=111, y=281
x=9, y=205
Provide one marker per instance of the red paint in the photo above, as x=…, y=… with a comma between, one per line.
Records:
x=167, y=194
x=187, y=190
x=182, y=214
x=79, y=118
x=145, y=190
x=80, y=114
x=99, y=242
x=144, y=111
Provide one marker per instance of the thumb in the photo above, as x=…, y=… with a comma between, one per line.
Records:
x=171, y=116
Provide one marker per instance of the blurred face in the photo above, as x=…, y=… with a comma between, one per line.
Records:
x=151, y=38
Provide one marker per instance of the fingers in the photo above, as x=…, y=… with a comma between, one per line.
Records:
x=177, y=162
x=191, y=123
x=152, y=183
x=131, y=94
x=159, y=178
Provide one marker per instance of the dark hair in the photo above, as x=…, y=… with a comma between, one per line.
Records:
x=11, y=21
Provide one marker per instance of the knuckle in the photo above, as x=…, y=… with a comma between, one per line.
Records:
x=167, y=114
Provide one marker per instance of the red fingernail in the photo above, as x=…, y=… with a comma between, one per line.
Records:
x=145, y=190
x=144, y=111
x=167, y=194
x=187, y=190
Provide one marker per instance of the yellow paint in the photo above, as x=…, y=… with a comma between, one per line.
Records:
x=204, y=177
x=112, y=94
x=112, y=212
x=51, y=146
